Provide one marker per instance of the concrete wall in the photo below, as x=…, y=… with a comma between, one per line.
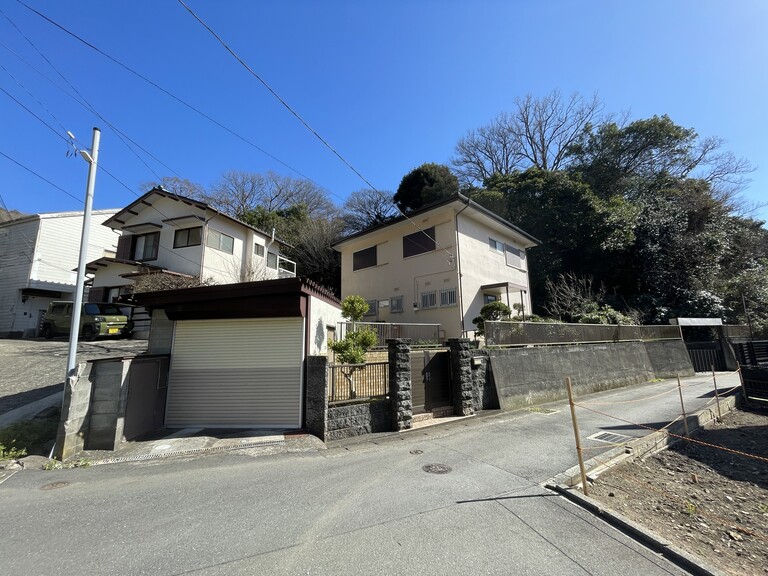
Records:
x=529, y=376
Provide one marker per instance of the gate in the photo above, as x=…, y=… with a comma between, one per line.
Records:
x=704, y=355
x=430, y=380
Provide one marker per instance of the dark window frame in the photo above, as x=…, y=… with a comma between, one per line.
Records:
x=365, y=258
x=185, y=233
x=419, y=242
x=154, y=247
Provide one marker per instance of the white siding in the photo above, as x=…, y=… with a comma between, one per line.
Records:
x=17, y=242
x=236, y=373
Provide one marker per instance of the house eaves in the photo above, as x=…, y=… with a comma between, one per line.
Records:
x=455, y=199
x=117, y=222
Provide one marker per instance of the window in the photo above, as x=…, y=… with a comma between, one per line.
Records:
x=419, y=242
x=258, y=249
x=364, y=258
x=496, y=245
x=272, y=260
x=146, y=246
x=514, y=256
x=220, y=241
x=488, y=298
x=428, y=300
x=396, y=304
x=187, y=237
x=448, y=297
x=372, y=308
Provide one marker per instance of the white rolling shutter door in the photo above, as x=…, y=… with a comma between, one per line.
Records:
x=236, y=373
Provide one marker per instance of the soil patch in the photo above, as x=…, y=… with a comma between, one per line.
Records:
x=708, y=501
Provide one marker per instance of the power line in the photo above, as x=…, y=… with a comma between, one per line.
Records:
x=39, y=176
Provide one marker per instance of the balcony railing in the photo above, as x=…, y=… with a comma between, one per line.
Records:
x=285, y=268
x=419, y=334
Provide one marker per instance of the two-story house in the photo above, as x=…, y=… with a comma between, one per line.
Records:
x=38, y=261
x=163, y=232
x=438, y=265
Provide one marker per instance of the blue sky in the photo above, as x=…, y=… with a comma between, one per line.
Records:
x=390, y=85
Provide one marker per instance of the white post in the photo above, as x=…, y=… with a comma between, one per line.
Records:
x=92, y=159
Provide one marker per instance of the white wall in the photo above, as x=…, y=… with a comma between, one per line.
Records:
x=17, y=243
x=481, y=265
x=322, y=314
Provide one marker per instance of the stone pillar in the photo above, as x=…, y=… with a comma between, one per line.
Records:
x=461, y=376
x=400, y=382
x=316, y=407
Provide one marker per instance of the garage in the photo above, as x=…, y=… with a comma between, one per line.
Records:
x=236, y=373
x=237, y=352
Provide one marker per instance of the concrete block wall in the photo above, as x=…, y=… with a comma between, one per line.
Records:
x=529, y=376
x=356, y=419
x=109, y=379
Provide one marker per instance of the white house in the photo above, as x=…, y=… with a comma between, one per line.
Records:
x=438, y=265
x=38, y=259
x=168, y=233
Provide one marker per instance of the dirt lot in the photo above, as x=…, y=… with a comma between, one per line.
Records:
x=707, y=501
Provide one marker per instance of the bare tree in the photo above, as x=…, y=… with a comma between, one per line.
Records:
x=176, y=185
x=367, y=207
x=538, y=133
x=236, y=193
x=569, y=295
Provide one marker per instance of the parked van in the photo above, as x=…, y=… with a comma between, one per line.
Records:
x=96, y=319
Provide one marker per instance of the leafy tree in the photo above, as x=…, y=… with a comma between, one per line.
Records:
x=538, y=133
x=424, y=185
x=352, y=348
x=493, y=311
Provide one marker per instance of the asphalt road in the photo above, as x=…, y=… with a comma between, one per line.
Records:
x=33, y=369
x=366, y=507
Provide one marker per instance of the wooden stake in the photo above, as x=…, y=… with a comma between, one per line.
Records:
x=682, y=406
x=577, y=436
x=717, y=395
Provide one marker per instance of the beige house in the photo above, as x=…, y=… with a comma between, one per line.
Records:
x=438, y=265
x=163, y=232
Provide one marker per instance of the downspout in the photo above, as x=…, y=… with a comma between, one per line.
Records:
x=458, y=269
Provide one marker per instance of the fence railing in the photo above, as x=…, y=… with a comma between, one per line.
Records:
x=420, y=334
x=736, y=331
x=358, y=381
x=505, y=333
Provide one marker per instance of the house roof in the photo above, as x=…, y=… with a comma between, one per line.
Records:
x=455, y=199
x=50, y=215
x=118, y=220
x=264, y=299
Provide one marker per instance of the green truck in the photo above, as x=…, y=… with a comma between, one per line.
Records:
x=96, y=319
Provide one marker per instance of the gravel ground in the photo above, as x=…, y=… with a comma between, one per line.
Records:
x=33, y=369
x=708, y=501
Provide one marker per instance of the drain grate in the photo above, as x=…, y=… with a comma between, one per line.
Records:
x=610, y=438
x=436, y=468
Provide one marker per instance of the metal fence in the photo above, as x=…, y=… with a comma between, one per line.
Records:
x=736, y=331
x=349, y=382
x=420, y=334
x=501, y=333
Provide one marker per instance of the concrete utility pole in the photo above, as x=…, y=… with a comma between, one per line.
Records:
x=92, y=159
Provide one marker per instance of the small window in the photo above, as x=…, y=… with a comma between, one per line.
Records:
x=396, y=304
x=419, y=242
x=272, y=260
x=364, y=258
x=488, y=298
x=372, y=308
x=429, y=300
x=258, y=249
x=448, y=297
x=146, y=247
x=187, y=237
x=514, y=256
x=496, y=245
x=220, y=241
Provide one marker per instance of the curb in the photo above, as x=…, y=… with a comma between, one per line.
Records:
x=564, y=484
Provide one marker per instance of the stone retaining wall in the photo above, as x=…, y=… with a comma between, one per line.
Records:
x=356, y=419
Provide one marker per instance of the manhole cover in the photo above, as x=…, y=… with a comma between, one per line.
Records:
x=54, y=485
x=436, y=468
x=417, y=452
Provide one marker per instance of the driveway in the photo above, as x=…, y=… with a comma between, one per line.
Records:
x=33, y=369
